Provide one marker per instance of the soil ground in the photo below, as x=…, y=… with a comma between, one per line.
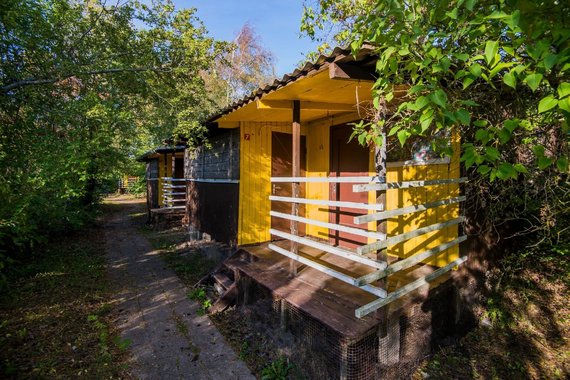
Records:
x=170, y=337
x=56, y=311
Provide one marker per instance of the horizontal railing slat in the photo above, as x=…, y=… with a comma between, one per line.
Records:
x=330, y=249
x=362, y=250
x=331, y=272
x=361, y=179
x=336, y=227
x=407, y=263
x=322, y=202
x=169, y=179
x=406, y=210
x=377, y=304
x=405, y=185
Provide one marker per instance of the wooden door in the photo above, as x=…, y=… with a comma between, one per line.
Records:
x=281, y=166
x=178, y=171
x=348, y=159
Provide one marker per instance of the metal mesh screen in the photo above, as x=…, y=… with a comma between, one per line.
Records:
x=332, y=355
x=326, y=354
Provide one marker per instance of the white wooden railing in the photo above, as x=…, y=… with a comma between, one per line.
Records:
x=360, y=255
x=174, y=192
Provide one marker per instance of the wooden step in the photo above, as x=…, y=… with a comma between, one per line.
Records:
x=227, y=299
x=222, y=280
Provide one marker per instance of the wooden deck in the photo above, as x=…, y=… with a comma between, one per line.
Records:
x=330, y=301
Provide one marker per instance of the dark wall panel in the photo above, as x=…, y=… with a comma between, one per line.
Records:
x=213, y=209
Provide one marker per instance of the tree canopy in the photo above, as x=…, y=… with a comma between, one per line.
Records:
x=84, y=88
x=496, y=70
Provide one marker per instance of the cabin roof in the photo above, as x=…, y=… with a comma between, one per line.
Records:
x=153, y=153
x=325, y=91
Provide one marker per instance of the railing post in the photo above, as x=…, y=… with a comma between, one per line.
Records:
x=296, y=172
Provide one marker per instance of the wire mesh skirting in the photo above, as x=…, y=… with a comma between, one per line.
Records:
x=390, y=353
x=330, y=355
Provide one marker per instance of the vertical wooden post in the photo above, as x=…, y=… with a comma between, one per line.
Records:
x=296, y=172
x=381, y=172
x=380, y=166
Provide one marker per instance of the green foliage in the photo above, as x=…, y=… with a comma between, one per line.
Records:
x=85, y=87
x=199, y=295
x=277, y=370
x=496, y=71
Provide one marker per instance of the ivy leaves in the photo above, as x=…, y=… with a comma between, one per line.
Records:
x=496, y=71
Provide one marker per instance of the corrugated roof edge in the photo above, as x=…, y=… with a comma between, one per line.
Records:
x=161, y=149
x=337, y=53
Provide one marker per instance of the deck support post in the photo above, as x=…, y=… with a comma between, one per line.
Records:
x=296, y=172
x=283, y=314
x=389, y=344
x=343, y=360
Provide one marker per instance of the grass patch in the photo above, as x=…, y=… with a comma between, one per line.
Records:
x=528, y=323
x=54, y=314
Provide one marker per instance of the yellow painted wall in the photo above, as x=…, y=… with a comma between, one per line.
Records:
x=397, y=198
x=255, y=173
x=164, y=170
x=318, y=161
x=255, y=187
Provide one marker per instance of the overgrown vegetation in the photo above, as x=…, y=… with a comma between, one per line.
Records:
x=55, y=314
x=85, y=87
x=199, y=295
x=494, y=71
x=525, y=329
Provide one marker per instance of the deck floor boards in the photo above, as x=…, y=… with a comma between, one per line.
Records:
x=327, y=299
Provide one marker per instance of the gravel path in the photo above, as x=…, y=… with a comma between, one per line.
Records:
x=168, y=339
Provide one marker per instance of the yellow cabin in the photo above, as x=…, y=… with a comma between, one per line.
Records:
x=338, y=233
x=342, y=206
x=165, y=171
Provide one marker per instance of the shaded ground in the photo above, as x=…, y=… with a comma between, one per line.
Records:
x=55, y=314
x=171, y=338
x=525, y=325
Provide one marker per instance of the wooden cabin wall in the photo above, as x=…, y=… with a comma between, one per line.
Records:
x=406, y=197
x=255, y=170
x=318, y=163
x=255, y=173
x=220, y=161
x=213, y=192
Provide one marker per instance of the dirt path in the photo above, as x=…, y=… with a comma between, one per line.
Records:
x=168, y=339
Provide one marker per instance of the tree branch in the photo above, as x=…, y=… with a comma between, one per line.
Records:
x=34, y=81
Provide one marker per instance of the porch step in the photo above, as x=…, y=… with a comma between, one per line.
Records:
x=222, y=280
x=227, y=299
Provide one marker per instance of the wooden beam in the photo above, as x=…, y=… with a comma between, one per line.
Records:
x=362, y=179
x=295, y=172
x=405, y=184
x=323, y=202
x=406, y=210
x=341, y=252
x=288, y=104
x=364, y=249
x=228, y=124
x=407, y=263
x=331, y=226
x=348, y=71
x=331, y=272
x=375, y=305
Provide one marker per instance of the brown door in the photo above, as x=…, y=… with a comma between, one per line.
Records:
x=348, y=159
x=281, y=166
x=178, y=167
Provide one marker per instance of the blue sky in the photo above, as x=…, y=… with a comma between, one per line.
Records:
x=275, y=21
